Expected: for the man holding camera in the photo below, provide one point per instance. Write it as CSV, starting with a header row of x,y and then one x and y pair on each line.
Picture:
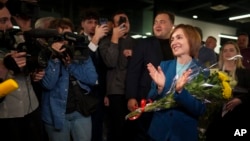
x,y
66,77
19,115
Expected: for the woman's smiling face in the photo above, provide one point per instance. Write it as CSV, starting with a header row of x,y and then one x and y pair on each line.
x,y
179,43
229,51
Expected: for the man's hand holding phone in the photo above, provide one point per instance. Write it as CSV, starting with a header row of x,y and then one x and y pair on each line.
x,y
103,21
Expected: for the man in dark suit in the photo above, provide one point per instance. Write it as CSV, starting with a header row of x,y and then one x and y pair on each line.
x,y
153,49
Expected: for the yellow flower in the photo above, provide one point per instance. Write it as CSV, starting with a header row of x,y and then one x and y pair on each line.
x,y
223,76
227,90
214,88
225,81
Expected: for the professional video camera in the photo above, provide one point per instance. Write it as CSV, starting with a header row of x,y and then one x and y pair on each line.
x,y
38,53
77,47
76,43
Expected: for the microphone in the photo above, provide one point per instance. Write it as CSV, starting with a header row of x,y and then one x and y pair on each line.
x,y
7,87
41,33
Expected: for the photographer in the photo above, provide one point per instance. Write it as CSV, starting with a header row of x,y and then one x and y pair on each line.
x,y
19,117
60,110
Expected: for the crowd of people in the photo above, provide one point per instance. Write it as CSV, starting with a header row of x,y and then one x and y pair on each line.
x,y
103,60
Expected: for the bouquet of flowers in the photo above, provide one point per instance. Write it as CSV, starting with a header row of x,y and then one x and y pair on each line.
x,y
209,88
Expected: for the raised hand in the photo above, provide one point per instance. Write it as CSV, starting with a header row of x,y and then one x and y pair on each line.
x,y
157,76
180,83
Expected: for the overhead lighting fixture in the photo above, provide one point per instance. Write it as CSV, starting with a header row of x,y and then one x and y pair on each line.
x,y
136,36
228,36
219,7
239,17
15,27
195,16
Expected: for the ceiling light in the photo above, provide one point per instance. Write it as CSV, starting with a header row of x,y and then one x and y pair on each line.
x,y
239,17
195,16
16,27
228,36
136,36
219,7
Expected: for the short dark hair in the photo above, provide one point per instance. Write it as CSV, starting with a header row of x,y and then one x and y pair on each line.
x,y
243,33
62,23
118,12
212,37
170,15
90,13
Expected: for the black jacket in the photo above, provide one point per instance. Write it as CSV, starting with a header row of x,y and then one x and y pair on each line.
x,y
149,50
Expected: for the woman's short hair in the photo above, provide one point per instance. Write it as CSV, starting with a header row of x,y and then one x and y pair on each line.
x,y
193,37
